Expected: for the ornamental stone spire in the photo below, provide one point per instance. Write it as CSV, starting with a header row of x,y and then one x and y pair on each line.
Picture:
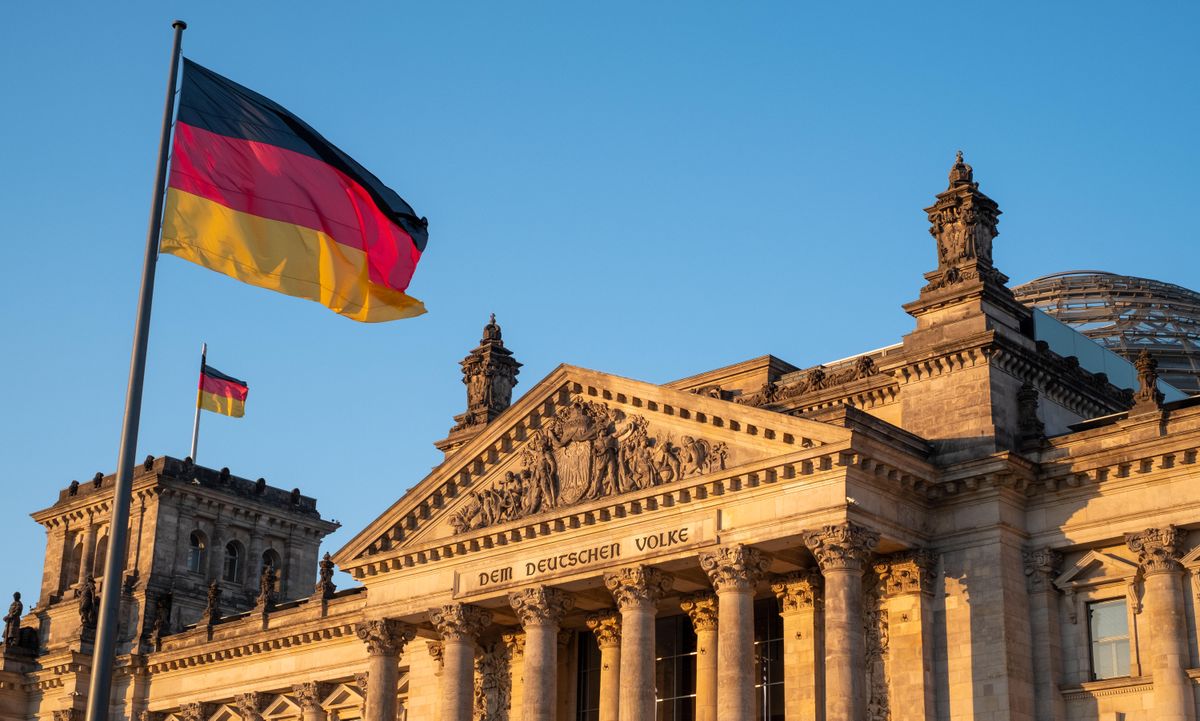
x,y
963,222
489,373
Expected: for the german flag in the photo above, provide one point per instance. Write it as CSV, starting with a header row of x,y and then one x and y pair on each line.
x,y
222,394
255,193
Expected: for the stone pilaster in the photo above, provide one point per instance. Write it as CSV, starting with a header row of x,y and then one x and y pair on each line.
x,y
540,610
310,695
734,571
515,644
1041,568
701,608
637,590
906,585
385,640
841,551
89,551
607,628
216,550
459,626
1159,551
799,597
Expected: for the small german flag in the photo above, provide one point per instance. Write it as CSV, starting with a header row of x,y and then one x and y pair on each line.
x,y
222,394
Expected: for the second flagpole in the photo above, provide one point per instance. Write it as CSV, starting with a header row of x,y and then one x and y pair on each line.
x,y
196,423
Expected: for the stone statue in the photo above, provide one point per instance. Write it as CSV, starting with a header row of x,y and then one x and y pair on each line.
x,y
266,587
12,622
212,607
87,603
325,586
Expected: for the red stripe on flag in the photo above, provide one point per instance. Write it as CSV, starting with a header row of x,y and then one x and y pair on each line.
x,y
279,184
221,387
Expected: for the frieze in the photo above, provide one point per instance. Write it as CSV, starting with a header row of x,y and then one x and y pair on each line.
x,y
814,379
586,451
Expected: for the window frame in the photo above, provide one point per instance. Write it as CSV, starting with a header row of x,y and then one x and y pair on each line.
x,y
1089,605
197,549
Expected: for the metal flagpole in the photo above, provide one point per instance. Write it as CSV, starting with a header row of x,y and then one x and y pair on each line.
x,y
104,651
196,423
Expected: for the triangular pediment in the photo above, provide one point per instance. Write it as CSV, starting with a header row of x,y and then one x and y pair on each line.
x,y
1095,568
342,696
577,438
282,707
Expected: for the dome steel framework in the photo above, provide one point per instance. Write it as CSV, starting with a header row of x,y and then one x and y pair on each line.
x,y
1127,314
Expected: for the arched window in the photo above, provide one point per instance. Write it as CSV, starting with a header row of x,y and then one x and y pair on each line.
x,y
196,552
101,556
233,563
71,571
270,559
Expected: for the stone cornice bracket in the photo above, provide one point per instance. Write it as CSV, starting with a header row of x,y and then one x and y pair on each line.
x,y
310,694
907,572
460,622
606,625
1042,566
735,568
384,636
540,605
798,591
638,586
842,546
515,643
250,705
1159,549
701,608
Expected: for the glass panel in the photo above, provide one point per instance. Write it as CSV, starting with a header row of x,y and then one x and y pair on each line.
x,y
1108,624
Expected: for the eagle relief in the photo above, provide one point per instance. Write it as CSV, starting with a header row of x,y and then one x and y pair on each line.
x,y
586,451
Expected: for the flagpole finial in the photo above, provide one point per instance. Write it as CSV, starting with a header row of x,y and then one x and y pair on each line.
x,y
179,25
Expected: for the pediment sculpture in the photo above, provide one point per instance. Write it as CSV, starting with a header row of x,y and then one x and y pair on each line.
x,y
586,451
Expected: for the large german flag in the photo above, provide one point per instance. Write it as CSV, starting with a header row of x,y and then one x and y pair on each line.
x,y
257,194
220,393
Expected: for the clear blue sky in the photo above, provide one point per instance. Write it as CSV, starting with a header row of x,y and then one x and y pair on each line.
x,y
649,189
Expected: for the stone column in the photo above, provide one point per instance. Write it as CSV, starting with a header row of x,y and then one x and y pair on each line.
x,y
607,628
89,550
385,639
637,590
701,608
515,642
906,588
734,571
540,610
803,661
1159,551
1041,568
459,626
841,550
309,695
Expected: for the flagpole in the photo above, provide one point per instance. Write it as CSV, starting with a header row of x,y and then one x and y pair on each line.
x,y
196,423
100,685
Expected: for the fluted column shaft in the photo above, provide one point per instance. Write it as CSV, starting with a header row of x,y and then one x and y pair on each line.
x,y
607,628
734,571
459,626
1159,551
840,551
803,666
540,610
701,608
637,590
385,641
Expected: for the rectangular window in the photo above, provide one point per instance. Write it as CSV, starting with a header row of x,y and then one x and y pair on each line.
x,y
768,660
1108,624
588,705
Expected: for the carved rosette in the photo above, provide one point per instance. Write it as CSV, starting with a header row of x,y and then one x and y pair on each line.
x,y
701,608
540,605
638,586
460,622
310,694
606,625
798,591
249,705
906,572
1158,549
735,568
842,546
385,637
515,643
1041,567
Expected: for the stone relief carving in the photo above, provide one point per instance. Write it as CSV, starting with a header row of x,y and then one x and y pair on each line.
x,y
1158,549
815,379
586,451
877,633
1041,567
493,683
963,222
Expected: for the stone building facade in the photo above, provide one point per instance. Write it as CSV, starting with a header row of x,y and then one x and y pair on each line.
x,y
963,525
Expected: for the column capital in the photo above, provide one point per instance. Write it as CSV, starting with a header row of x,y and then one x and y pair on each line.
x,y
515,643
250,705
437,651
906,572
841,545
385,636
459,621
1158,549
606,625
540,605
1041,567
797,591
310,694
734,568
638,586
361,681
701,608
